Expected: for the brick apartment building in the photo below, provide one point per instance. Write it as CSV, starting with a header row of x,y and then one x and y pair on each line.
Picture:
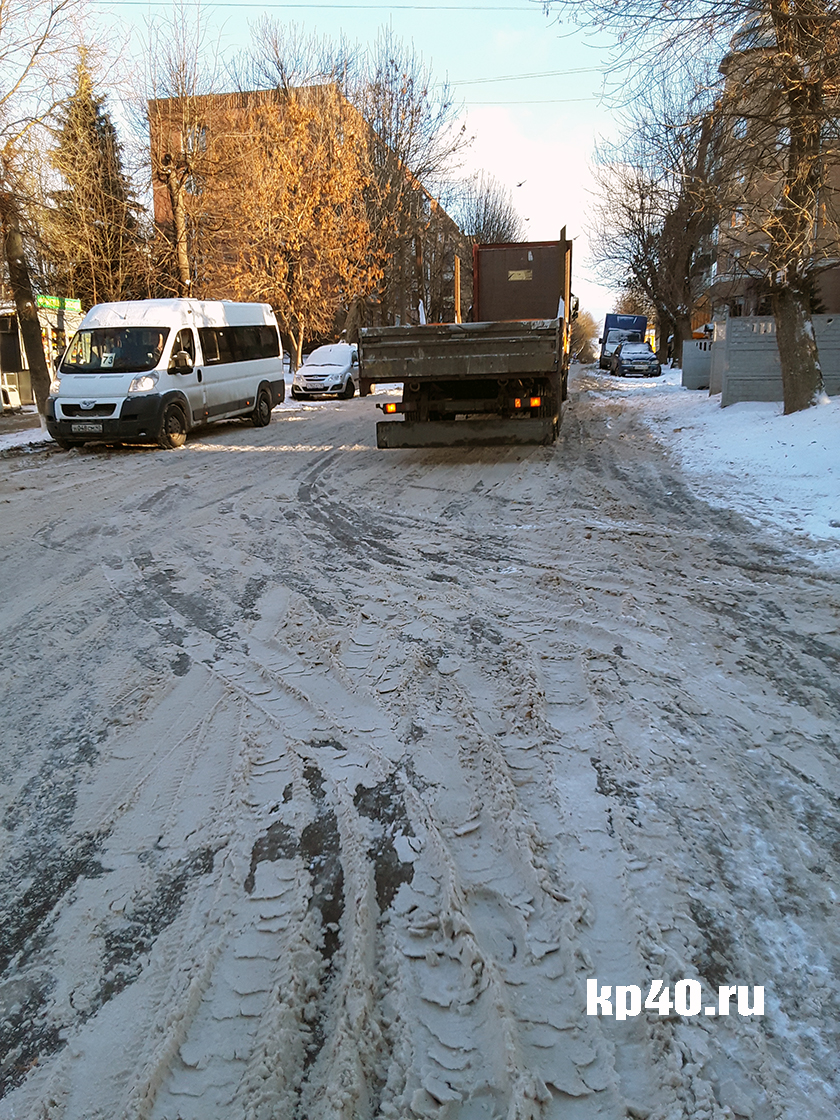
x,y
420,265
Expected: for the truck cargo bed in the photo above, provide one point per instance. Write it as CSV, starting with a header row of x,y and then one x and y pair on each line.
x,y
454,351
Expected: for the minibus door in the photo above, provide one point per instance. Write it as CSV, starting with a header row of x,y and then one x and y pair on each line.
x,y
190,379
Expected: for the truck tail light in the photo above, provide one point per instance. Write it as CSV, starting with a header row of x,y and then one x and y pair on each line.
x,y
517,403
536,402
389,408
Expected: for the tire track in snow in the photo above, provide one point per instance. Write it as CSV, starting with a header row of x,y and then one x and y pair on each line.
x,y
498,701
444,1082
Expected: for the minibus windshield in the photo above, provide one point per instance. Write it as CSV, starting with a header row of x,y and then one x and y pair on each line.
x,y
115,350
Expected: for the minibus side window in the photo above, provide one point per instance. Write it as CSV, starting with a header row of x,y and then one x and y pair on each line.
x,y
249,343
185,341
223,340
238,344
210,345
269,343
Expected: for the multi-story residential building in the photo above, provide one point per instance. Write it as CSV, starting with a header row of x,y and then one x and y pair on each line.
x,y
749,167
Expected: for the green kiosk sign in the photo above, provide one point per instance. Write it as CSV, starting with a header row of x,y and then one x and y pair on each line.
x,y
58,303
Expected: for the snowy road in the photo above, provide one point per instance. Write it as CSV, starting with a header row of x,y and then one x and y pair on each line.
x,y
330,775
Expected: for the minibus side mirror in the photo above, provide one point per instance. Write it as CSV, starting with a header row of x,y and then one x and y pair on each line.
x,y
181,362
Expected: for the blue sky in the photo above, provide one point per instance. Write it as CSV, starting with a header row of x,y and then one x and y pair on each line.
x,y
530,89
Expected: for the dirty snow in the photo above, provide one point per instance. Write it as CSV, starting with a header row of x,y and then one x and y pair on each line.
x,y
330,775
779,470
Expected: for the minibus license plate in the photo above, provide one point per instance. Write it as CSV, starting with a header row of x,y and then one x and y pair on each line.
x,y
88,428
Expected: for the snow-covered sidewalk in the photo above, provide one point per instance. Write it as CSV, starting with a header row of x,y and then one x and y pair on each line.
x,y
749,457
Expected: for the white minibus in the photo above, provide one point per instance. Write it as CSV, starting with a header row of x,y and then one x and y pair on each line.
x,y
147,371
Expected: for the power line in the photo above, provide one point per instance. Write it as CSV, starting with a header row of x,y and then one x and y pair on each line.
x,y
521,77
558,101
317,7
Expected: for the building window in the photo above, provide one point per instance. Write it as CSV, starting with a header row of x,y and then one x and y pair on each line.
x,y
195,139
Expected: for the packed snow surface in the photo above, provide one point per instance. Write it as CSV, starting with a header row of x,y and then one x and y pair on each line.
x,y
331,775
781,470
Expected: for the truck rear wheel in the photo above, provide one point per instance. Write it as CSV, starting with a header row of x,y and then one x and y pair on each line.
x,y
411,402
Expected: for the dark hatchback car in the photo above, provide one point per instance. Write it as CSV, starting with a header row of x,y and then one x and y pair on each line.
x,y
634,359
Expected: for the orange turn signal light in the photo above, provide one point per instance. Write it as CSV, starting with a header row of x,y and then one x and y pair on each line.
x,y
517,403
390,408
536,402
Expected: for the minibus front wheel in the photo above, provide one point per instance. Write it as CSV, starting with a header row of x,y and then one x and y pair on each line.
x,y
173,426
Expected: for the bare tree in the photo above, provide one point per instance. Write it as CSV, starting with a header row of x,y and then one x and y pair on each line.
x,y
793,78
415,144
414,117
658,205
584,333
485,211
778,132
181,80
286,57
35,36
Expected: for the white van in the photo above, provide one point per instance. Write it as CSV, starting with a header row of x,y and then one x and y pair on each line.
x,y
147,371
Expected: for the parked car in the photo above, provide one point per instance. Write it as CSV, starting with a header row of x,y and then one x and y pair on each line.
x,y
327,371
634,359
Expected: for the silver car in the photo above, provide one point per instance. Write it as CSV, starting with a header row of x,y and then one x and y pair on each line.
x,y
634,359
327,372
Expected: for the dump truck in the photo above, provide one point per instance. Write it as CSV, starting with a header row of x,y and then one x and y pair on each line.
x,y
499,378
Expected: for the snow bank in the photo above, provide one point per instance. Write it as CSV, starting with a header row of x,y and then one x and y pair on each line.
x,y
775,469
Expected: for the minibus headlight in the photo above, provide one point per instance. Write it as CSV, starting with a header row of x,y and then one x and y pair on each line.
x,y
55,385
143,384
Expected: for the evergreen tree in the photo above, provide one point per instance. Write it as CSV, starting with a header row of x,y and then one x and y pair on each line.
x,y
92,230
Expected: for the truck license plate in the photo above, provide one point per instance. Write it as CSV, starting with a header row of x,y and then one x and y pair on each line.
x,y
87,428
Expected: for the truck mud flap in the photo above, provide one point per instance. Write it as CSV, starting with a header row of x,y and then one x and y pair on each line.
x,y
464,433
